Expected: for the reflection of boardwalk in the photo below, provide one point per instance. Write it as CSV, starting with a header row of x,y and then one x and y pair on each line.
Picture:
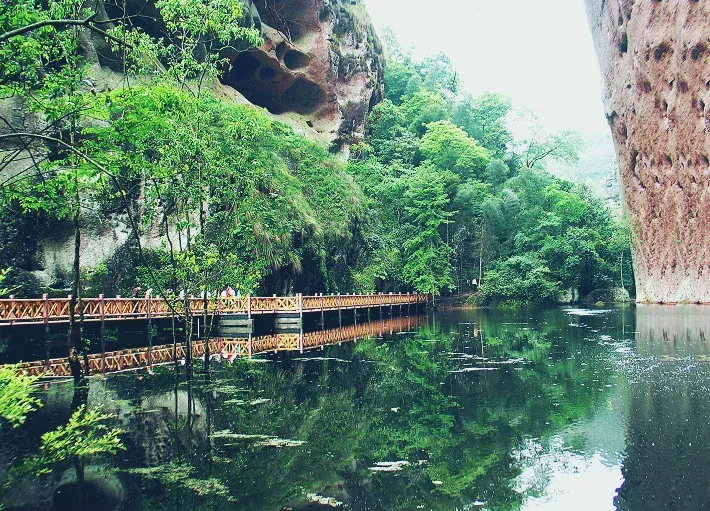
x,y
131,359
56,310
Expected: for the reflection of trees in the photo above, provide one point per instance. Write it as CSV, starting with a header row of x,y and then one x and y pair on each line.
x,y
394,400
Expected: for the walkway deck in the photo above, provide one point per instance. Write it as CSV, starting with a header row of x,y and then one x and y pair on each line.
x,y
56,310
138,358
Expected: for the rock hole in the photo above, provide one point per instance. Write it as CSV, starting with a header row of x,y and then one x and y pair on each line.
x,y
294,59
243,67
661,51
703,161
624,43
281,50
303,97
698,51
664,104
623,132
310,123
266,74
644,86
701,105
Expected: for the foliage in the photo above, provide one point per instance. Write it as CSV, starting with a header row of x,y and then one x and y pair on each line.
x,y
523,278
85,434
427,266
494,212
438,194
17,396
450,148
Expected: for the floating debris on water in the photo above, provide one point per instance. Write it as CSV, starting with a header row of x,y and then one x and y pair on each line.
x,y
238,436
584,312
389,466
509,361
324,501
279,442
259,440
244,402
311,359
472,369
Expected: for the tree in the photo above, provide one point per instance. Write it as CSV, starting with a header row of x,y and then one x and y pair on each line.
x,y
496,173
85,434
524,279
536,146
427,267
485,119
450,148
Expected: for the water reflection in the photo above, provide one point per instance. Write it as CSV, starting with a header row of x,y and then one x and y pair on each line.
x,y
668,428
555,409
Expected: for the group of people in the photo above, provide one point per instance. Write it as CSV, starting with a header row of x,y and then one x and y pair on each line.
x,y
227,292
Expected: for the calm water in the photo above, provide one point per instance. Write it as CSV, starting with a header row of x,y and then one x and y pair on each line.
x,y
555,410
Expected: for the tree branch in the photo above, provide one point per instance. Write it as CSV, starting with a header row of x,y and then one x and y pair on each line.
x,y
62,23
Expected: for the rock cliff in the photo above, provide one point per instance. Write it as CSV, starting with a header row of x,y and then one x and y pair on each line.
x,y
321,64
655,61
320,70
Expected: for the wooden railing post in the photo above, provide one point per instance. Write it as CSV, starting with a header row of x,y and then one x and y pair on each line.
x,y
340,312
45,308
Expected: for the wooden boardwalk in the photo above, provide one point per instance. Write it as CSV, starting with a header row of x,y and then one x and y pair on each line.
x,y
138,358
56,310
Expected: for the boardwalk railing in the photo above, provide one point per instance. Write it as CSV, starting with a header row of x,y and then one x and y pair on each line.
x,y
137,358
56,310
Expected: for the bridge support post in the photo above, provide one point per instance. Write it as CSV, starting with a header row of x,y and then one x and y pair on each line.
x,y
150,331
45,318
102,332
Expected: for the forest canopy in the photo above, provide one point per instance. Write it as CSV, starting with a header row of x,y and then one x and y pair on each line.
x,y
440,196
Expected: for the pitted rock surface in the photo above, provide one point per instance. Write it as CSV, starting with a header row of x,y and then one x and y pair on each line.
x,y
655,61
321,62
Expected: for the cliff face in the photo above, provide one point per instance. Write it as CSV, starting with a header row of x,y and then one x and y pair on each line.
x,y
655,61
319,70
321,64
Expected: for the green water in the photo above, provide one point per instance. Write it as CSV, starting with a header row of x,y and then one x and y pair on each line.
x,y
541,409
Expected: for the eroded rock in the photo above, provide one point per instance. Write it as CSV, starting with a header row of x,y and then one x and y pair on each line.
x,y
655,62
320,63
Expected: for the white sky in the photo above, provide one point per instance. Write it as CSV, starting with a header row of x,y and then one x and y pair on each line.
x,y
537,52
